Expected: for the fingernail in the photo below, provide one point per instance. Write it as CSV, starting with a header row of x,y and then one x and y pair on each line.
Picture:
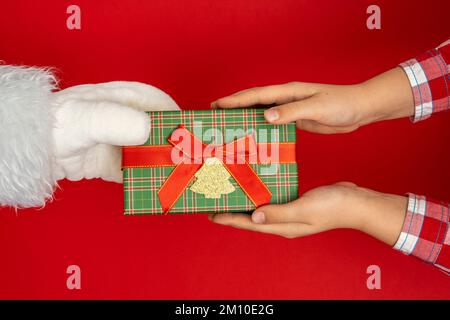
x,y
271,115
258,217
214,105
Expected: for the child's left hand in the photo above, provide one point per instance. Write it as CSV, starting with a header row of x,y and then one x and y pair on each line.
x,y
342,205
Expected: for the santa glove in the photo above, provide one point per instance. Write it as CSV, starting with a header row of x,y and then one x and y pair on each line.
x,y
93,120
74,133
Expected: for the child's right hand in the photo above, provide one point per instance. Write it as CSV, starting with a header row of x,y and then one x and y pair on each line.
x,y
326,108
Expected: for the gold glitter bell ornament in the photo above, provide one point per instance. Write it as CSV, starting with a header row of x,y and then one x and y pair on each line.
x,y
212,179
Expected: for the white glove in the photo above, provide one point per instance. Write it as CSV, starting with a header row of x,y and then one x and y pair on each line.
x,y
92,120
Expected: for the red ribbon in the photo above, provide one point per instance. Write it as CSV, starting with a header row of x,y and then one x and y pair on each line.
x,y
236,157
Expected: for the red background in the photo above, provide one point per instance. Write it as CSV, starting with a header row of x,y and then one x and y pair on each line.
x,y
198,51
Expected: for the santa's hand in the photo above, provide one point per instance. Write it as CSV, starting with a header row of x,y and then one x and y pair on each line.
x,y
92,121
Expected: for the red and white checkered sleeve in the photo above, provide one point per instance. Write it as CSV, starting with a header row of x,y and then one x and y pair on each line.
x,y
429,76
425,233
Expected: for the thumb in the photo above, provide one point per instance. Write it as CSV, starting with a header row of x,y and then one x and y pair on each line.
x,y
138,95
114,124
308,108
278,213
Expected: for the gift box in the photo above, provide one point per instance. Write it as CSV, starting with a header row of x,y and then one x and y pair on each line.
x,y
210,161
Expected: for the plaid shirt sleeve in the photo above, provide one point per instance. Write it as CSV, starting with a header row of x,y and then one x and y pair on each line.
x,y
429,76
425,233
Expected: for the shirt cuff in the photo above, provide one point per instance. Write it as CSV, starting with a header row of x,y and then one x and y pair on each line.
x,y
425,233
428,75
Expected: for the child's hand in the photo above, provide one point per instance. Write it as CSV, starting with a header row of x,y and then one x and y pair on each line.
x,y
342,205
329,109
325,108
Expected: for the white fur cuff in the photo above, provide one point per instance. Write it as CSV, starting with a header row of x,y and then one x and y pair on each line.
x,y
26,178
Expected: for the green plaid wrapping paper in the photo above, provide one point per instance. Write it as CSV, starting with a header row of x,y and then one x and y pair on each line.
x,y
141,185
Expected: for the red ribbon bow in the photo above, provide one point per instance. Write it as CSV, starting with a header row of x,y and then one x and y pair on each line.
x,y
234,156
